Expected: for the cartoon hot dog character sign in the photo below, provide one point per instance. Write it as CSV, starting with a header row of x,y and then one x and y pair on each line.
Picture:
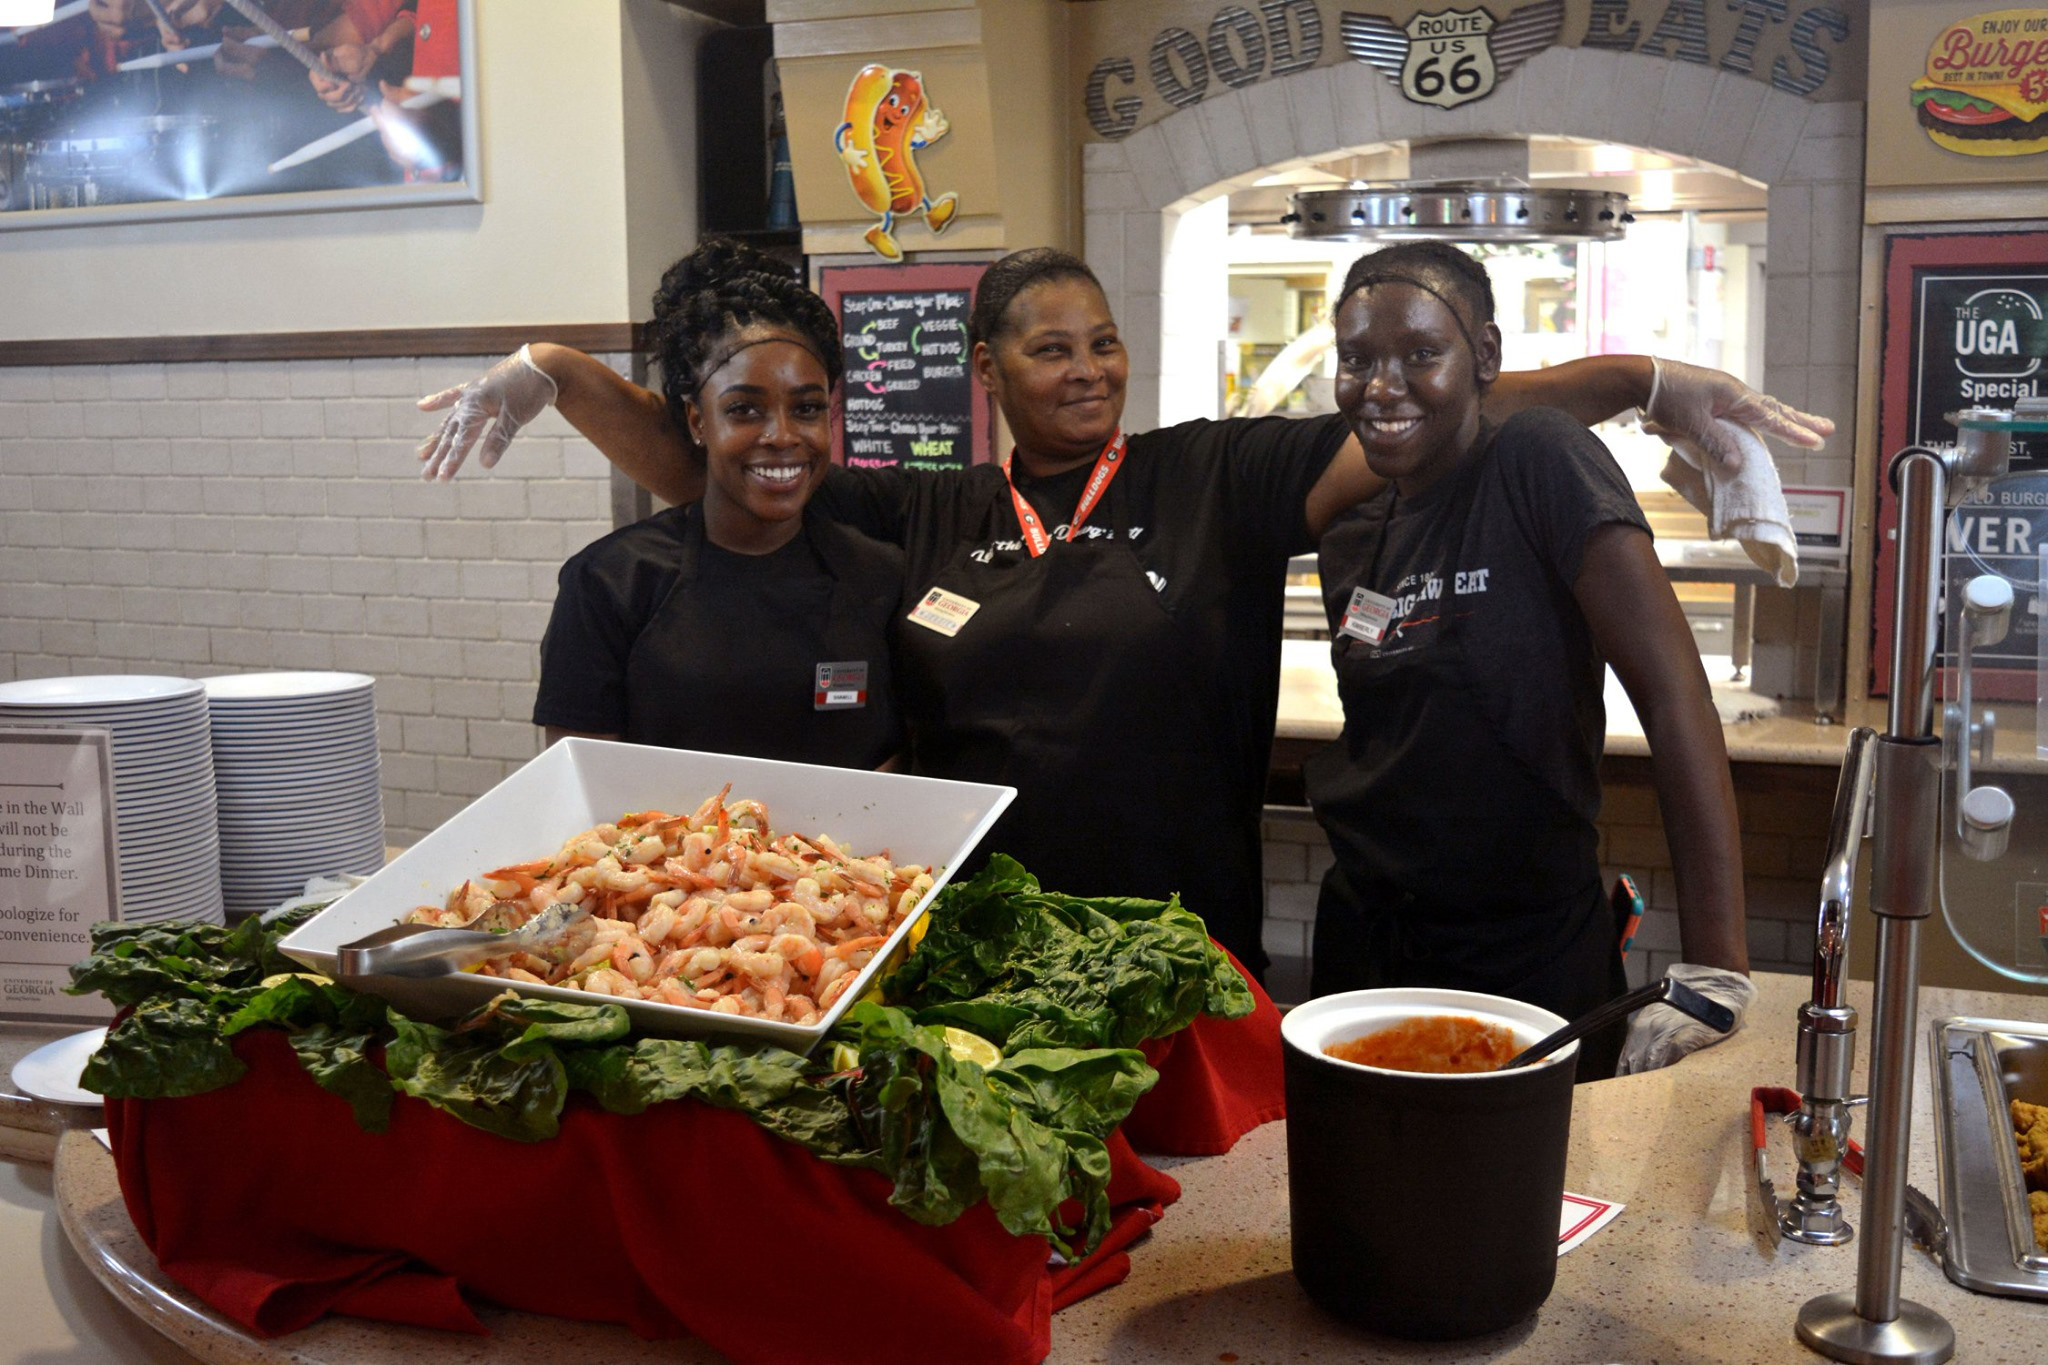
x,y
1986,88
887,123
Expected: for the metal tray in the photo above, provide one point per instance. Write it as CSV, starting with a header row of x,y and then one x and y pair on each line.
x,y
578,783
1979,1066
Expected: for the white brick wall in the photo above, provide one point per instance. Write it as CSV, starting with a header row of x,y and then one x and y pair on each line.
x,y
197,519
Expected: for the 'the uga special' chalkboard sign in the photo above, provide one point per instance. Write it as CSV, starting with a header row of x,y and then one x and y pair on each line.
x,y
1966,325
911,400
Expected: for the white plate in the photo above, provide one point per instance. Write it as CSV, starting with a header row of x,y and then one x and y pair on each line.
x,y
258,836
96,690
234,687
51,1072
246,719
244,879
328,789
181,782
282,747
332,790
180,727
175,709
578,783
364,768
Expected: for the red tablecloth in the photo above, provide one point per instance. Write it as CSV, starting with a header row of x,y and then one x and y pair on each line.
x,y
269,1203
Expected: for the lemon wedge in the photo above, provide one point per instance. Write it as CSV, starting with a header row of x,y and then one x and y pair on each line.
x,y
282,977
972,1047
844,1057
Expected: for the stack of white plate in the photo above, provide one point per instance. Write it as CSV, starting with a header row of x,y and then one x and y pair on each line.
x,y
295,763
169,844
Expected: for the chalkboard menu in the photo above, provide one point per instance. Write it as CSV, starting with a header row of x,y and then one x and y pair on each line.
x,y
911,399
1966,325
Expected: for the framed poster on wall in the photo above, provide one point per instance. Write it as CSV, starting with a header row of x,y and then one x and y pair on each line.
x,y
911,398
130,110
1965,325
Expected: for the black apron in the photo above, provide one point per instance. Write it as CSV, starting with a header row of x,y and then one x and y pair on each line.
x,y
1507,900
730,665
1075,684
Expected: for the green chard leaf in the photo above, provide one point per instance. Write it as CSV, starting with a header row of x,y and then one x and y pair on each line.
x,y
165,1049
338,1058
470,1075
1030,968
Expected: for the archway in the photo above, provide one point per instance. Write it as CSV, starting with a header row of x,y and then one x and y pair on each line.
x,y
1150,202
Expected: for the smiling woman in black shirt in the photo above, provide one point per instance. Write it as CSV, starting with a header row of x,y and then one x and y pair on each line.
x,y
743,622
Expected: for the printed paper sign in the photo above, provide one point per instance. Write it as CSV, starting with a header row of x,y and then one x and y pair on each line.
x,y
1820,520
1580,1218
59,874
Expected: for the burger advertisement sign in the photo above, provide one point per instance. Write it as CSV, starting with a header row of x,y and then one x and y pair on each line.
x,y
1986,88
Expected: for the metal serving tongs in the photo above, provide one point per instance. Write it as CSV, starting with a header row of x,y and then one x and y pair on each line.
x,y
420,950
1923,1221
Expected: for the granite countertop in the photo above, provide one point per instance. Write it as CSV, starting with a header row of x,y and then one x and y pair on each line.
x,y
1685,1273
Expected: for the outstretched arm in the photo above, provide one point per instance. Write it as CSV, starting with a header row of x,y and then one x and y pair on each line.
x,y
629,425
1592,389
1676,399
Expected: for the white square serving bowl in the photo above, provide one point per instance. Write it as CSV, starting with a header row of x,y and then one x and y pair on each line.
x,y
578,783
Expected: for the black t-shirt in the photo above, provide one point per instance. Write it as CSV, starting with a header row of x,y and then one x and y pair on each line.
x,y
1212,510
744,682
1474,728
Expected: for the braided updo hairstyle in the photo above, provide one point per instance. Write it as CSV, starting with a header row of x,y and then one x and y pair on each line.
x,y
1012,275
718,289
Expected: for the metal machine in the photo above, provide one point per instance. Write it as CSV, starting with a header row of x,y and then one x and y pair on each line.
x,y
1931,848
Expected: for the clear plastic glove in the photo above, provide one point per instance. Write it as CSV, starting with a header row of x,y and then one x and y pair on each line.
x,y
1660,1035
513,392
1686,399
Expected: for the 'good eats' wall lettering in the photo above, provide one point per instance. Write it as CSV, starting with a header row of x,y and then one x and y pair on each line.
x,y
1243,44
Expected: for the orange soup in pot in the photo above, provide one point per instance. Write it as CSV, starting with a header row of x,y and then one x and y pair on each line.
x,y
1438,1043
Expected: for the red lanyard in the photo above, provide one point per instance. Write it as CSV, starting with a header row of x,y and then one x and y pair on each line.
x,y
1106,465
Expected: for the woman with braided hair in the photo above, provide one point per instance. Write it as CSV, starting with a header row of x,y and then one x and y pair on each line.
x,y
1097,620
741,623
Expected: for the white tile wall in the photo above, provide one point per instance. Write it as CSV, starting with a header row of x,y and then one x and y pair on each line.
x,y
196,519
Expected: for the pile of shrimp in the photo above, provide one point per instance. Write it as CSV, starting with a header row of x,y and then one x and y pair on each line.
x,y
708,911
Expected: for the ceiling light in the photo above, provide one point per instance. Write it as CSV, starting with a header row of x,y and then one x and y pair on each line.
x,y
1461,210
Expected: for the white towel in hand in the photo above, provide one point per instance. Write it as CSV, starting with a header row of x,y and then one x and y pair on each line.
x,y
1748,506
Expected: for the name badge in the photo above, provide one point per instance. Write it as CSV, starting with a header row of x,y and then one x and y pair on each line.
x,y
944,612
841,686
1368,616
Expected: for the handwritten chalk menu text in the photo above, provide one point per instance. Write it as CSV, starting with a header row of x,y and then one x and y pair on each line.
x,y
911,400
58,875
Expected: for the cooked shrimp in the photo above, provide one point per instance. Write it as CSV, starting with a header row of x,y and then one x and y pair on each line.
x,y
631,958
706,911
